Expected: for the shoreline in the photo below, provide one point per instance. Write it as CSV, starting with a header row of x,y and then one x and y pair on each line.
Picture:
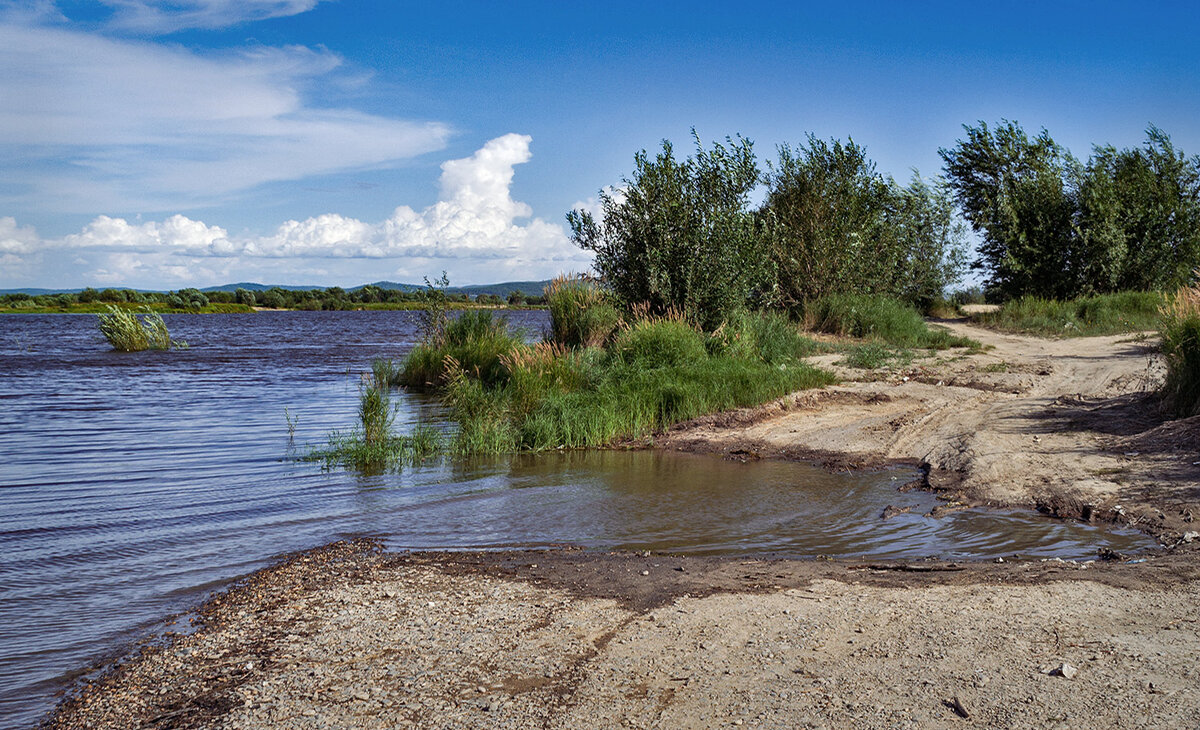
x,y
334,636
348,635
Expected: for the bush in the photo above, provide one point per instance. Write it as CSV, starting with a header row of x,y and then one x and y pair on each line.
x,y
581,314
1181,346
680,235
127,333
658,343
878,318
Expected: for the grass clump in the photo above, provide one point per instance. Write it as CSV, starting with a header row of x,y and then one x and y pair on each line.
x,y
581,313
1103,314
1181,346
475,340
878,318
652,374
372,446
874,355
126,332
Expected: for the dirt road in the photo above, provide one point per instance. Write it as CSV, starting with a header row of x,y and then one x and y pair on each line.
x,y
1068,426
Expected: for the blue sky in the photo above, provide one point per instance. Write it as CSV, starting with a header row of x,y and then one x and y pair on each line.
x,y
195,142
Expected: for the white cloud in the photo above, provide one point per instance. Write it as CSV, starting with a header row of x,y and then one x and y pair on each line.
x,y
475,229
15,239
163,16
94,123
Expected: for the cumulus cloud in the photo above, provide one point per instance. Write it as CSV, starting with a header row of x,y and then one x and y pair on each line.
x,y
94,123
475,229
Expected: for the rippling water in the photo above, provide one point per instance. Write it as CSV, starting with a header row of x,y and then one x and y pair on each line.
x,y
131,484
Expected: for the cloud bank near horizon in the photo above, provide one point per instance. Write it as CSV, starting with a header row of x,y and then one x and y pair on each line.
x,y
475,230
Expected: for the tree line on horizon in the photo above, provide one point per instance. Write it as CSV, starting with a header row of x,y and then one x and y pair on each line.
x,y
683,236
328,299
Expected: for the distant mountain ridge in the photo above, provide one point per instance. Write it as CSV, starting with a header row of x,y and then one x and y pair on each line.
x,y
502,289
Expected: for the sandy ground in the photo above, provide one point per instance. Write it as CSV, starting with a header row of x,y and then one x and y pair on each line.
x,y
1069,426
346,637
349,637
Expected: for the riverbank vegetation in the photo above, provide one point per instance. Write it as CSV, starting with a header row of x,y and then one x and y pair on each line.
x,y
127,332
1101,314
373,446
1181,346
191,301
652,372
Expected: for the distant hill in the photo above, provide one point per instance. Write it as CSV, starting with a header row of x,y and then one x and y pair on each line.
x,y
528,288
250,286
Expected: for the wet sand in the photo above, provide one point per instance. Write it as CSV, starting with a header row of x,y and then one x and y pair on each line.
x,y
348,636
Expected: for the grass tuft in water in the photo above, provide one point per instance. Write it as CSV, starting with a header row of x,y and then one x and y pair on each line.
x,y
126,332
372,446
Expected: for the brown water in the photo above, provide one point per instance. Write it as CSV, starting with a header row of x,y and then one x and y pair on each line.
x,y
131,485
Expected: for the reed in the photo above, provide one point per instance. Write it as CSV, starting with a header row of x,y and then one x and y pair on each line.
x,y
1181,347
581,313
126,332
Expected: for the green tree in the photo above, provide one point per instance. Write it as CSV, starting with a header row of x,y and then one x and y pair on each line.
x,y
679,234
1139,217
1013,189
836,225
245,296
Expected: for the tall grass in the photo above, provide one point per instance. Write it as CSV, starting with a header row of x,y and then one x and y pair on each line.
x,y
1181,346
126,332
1104,314
475,340
653,373
878,318
372,446
581,313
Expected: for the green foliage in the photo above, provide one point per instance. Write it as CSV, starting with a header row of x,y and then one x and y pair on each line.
x,y
188,299
581,314
1181,346
126,332
1104,314
653,374
659,343
874,355
1056,228
879,318
767,336
476,340
835,225
679,236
